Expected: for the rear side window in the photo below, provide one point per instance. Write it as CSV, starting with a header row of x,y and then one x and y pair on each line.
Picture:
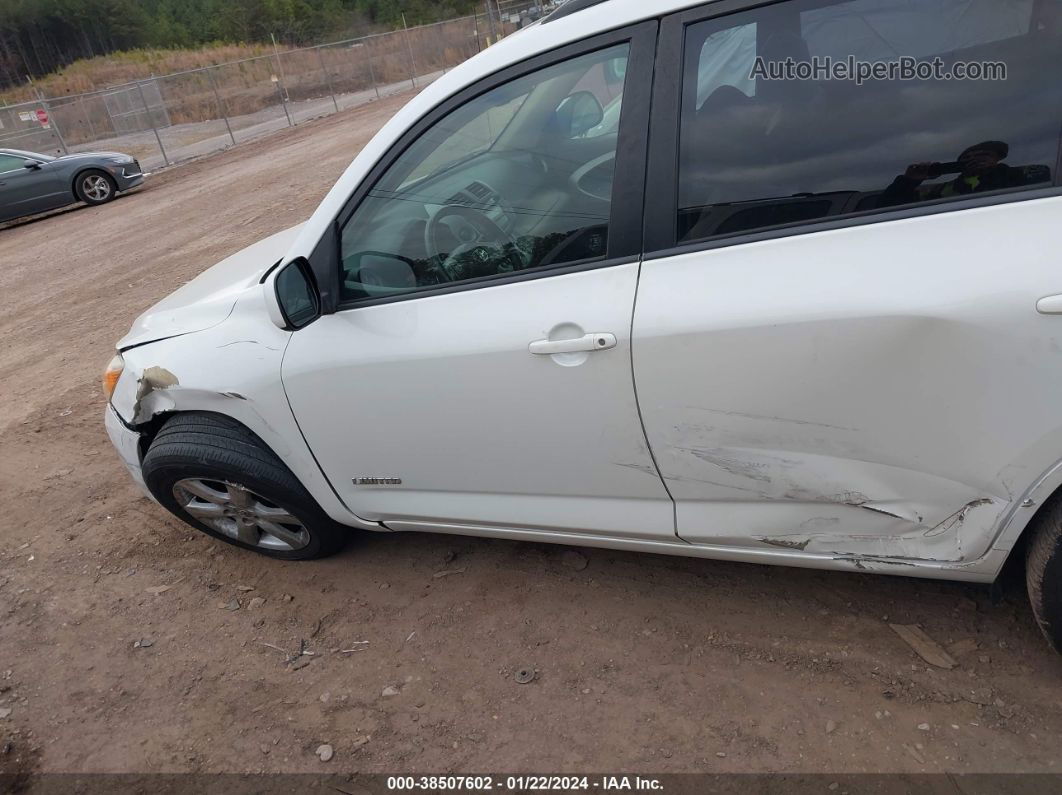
x,y
774,132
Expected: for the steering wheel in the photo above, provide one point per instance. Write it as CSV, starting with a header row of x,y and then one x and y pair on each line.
x,y
475,232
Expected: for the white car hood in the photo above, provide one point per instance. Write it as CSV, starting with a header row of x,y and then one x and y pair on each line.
x,y
208,299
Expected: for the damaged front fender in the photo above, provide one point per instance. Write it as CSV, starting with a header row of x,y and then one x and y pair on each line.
x,y
153,381
231,369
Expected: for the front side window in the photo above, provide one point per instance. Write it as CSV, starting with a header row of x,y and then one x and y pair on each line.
x,y
517,178
759,149
9,163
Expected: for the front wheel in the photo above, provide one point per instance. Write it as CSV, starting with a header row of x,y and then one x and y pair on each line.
x,y
215,475
95,187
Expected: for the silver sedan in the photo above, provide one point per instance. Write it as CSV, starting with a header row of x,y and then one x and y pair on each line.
x,y
32,183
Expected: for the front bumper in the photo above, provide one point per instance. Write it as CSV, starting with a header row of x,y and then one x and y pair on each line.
x,y
128,175
127,443
128,182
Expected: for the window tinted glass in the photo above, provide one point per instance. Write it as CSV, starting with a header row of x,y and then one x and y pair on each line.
x,y
760,149
874,29
517,178
725,60
9,163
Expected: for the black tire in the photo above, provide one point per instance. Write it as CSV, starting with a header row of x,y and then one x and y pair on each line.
x,y
1043,571
217,449
87,194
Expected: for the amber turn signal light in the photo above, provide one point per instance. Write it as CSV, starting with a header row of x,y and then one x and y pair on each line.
x,y
112,374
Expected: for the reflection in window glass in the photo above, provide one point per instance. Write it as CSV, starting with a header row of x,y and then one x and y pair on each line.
x,y
726,60
519,177
795,151
877,29
474,137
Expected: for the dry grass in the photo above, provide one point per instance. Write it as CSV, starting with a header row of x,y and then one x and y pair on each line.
x,y
90,74
243,78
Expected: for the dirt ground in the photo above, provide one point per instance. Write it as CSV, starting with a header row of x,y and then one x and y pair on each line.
x,y
117,654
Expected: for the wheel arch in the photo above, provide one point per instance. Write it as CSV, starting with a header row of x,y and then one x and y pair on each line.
x,y
85,169
309,475
220,477
150,429
233,370
1020,521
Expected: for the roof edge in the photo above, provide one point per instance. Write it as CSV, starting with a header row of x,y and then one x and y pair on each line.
x,y
571,7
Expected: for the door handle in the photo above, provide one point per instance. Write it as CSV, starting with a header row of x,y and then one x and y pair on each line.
x,y
588,342
1051,305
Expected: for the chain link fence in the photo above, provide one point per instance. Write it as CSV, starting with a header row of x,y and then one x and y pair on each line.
x,y
164,119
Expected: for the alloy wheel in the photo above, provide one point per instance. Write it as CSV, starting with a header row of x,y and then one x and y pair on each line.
x,y
96,187
237,512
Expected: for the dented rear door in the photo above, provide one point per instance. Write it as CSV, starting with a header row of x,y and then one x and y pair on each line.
x,y
822,393
836,343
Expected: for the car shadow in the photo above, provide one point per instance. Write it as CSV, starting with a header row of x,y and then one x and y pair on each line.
x,y
16,223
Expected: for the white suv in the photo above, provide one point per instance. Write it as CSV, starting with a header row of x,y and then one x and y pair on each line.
x,y
760,311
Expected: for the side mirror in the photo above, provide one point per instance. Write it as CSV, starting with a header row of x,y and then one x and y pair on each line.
x,y
579,113
31,165
615,70
291,295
